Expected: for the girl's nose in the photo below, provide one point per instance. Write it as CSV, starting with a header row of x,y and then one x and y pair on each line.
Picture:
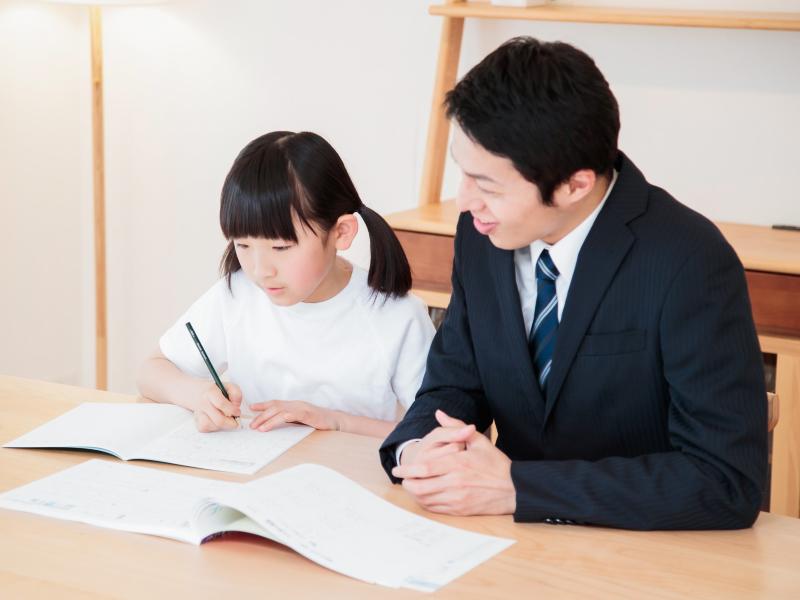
x,y
263,268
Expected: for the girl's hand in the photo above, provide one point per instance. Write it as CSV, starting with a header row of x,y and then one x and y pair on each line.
x,y
279,412
214,412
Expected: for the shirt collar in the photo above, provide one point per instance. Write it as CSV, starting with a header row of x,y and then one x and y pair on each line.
x,y
565,251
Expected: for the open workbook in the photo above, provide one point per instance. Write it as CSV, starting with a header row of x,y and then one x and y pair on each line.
x,y
314,510
162,433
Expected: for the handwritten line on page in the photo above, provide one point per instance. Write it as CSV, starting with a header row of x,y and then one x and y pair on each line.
x,y
162,433
314,510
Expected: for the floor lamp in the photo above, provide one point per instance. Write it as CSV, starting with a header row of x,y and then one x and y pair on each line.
x,y
99,185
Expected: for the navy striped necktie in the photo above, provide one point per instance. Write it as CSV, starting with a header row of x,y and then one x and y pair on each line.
x,y
542,338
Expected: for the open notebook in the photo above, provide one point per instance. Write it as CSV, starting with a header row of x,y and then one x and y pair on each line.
x,y
314,510
162,433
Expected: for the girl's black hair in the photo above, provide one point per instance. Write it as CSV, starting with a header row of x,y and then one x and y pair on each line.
x,y
282,174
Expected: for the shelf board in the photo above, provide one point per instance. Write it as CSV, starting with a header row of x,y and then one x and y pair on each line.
x,y
760,248
432,299
725,19
439,218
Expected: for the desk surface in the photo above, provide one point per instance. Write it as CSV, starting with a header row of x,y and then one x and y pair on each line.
x,y
48,558
759,248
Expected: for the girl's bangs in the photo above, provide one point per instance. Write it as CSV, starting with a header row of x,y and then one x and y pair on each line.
x,y
260,197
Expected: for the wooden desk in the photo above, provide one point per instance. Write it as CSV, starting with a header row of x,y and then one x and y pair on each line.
x,y
48,558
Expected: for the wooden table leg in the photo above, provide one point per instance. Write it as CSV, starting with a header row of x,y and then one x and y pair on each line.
x,y
785,495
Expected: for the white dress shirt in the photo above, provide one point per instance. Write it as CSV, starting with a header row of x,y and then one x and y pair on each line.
x,y
565,256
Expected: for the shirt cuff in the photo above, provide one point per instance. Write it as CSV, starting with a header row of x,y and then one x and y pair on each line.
x,y
401,447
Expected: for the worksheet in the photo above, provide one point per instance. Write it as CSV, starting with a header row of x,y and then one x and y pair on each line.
x,y
312,509
162,433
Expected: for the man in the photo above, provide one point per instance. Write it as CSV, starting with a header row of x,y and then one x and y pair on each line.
x,y
604,327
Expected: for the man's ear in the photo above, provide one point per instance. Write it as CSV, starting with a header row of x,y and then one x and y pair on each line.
x,y
576,188
344,231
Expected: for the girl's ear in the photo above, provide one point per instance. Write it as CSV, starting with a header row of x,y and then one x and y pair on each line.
x,y
344,231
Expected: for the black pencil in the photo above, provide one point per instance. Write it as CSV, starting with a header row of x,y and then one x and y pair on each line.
x,y
206,360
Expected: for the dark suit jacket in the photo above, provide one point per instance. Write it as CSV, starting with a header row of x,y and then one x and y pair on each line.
x,y
655,412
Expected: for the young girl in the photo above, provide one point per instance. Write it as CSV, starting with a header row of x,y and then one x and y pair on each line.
x,y
305,336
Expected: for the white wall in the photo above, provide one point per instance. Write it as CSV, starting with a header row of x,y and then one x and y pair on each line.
x,y
712,115
45,189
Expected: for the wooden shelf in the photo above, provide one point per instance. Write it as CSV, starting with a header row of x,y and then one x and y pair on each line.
x,y
432,299
725,19
438,219
771,258
759,248
764,249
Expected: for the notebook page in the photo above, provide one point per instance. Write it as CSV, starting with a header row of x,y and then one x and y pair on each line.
x,y
117,496
121,429
243,450
340,525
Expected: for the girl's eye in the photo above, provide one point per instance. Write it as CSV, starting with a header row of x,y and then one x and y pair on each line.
x,y
281,248
242,246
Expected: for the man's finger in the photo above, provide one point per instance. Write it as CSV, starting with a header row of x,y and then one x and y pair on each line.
x,y
420,488
478,441
444,450
446,420
427,468
450,501
448,435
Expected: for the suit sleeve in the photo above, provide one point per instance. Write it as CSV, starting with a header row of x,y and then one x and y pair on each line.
x,y
714,475
451,382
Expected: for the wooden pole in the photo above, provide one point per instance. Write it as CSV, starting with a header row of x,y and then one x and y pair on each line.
x,y
438,125
98,154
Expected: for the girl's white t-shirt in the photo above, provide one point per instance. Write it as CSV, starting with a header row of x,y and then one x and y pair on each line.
x,y
358,352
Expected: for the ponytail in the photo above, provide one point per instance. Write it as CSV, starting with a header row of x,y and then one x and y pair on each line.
x,y
389,272
281,175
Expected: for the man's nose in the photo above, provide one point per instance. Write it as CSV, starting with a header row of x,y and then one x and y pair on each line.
x,y
468,196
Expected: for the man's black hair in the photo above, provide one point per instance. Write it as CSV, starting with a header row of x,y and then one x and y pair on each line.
x,y
544,105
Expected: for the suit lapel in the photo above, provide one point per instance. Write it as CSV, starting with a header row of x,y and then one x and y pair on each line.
x,y
502,265
599,259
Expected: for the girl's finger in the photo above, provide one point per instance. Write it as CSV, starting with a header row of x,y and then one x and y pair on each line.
x,y
225,407
276,421
265,415
263,405
220,421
